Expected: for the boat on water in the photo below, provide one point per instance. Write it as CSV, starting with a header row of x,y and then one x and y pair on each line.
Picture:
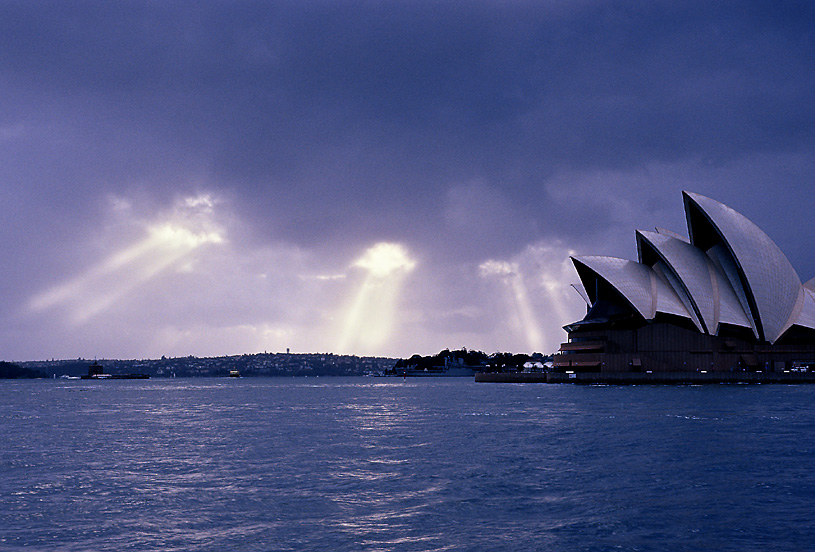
x,y
437,372
97,372
234,373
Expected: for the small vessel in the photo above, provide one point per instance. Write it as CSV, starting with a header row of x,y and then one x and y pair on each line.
x,y
234,373
438,372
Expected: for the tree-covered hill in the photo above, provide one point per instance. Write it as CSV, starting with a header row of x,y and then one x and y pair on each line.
x,y
9,370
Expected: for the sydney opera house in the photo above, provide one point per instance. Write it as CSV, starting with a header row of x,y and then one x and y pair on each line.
x,y
725,299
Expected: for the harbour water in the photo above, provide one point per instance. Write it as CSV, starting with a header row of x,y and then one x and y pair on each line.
x,y
337,464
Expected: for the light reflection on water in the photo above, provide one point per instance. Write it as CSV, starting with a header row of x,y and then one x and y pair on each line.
x,y
363,464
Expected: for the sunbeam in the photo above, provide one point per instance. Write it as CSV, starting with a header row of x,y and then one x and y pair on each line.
x,y
370,316
510,276
102,285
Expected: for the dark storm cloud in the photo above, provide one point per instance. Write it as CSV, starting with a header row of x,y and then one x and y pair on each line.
x,y
467,131
378,96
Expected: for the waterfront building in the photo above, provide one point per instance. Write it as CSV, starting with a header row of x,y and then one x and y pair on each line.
x,y
725,298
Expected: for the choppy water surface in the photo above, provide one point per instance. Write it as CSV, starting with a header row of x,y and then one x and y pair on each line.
x,y
384,464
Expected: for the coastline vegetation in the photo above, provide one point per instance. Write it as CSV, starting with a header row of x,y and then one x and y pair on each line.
x,y
9,370
495,362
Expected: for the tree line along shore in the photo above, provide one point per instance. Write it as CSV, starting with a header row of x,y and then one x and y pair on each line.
x,y
272,364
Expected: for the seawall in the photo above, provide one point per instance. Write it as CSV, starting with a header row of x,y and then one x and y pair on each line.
x,y
658,378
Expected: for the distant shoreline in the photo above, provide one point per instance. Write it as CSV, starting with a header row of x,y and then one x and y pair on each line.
x,y
258,364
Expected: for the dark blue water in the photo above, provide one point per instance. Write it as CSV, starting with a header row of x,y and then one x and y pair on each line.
x,y
380,464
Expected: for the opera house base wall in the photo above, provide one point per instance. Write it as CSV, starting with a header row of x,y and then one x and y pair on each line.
x,y
641,378
665,347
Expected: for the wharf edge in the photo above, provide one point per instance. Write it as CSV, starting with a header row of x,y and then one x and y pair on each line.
x,y
658,378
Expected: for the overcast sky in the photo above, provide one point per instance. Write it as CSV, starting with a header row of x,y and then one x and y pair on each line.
x,y
207,178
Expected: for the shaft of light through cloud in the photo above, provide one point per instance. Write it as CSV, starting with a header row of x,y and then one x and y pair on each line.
x,y
100,286
369,318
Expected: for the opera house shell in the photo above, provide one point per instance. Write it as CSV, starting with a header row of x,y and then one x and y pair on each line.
x,y
724,299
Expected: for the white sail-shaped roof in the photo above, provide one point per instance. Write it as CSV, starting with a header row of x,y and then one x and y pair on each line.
x,y
638,284
770,283
729,273
690,269
730,310
806,318
705,289
669,276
